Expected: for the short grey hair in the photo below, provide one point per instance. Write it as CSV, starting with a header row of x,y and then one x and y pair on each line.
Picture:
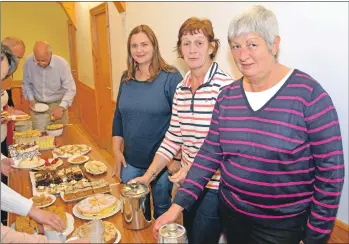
x,y
255,19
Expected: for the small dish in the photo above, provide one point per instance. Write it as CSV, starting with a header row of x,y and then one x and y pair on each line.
x,y
40,107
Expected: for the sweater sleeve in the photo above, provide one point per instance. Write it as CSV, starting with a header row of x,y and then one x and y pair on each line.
x,y
173,140
9,235
204,166
117,121
326,146
13,202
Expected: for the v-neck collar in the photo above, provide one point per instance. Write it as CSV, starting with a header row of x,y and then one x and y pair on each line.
x,y
270,100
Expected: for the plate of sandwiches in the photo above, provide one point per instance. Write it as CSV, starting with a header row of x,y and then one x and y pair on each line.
x,y
20,117
25,224
68,151
43,200
67,218
28,163
110,234
95,167
78,159
98,206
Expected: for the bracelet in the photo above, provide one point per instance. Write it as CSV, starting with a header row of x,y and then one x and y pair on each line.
x,y
153,174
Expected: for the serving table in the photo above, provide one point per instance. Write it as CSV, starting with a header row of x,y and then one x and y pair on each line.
x,y
20,182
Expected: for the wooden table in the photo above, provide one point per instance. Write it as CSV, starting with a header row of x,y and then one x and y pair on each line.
x,y
20,182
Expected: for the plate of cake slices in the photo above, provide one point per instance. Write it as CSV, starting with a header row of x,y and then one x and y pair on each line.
x,y
43,200
98,206
28,163
110,234
68,151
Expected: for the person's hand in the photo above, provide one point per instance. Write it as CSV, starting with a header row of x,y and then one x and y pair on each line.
x,y
174,167
142,180
47,218
179,177
170,216
17,112
57,113
32,104
6,166
119,160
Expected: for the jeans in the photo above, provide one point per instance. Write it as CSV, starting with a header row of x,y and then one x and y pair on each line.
x,y
161,189
202,221
239,228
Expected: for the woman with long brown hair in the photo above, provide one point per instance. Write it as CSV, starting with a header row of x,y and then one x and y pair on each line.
x,y
143,113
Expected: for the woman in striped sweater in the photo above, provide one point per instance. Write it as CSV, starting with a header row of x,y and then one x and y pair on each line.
x,y
192,108
275,136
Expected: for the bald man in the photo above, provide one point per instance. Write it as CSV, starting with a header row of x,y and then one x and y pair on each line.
x,y
47,79
17,48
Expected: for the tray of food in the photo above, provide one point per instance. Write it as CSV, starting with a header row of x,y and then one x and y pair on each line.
x,y
67,151
53,181
66,217
50,164
98,206
95,167
43,200
78,159
84,189
110,233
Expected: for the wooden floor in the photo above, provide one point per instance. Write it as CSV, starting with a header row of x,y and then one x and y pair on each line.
x,y
340,233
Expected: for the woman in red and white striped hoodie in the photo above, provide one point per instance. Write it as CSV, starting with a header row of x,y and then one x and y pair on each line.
x,y
192,109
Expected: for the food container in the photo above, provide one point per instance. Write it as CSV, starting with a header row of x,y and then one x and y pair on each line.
x,y
135,206
23,125
172,233
54,129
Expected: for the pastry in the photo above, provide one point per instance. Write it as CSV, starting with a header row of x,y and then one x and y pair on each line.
x,y
97,205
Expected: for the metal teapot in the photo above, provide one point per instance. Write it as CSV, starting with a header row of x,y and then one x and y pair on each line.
x,y
172,233
135,206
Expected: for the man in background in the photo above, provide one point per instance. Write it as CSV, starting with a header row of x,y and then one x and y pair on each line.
x,y
47,79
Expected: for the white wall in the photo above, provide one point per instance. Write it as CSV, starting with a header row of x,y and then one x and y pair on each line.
x,y
314,39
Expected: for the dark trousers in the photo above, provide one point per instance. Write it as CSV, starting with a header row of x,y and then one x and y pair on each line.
x,y
202,222
242,229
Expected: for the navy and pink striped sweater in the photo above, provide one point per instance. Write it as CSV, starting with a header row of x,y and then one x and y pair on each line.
x,y
278,162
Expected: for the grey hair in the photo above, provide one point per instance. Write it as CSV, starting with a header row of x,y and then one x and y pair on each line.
x,y
255,19
11,41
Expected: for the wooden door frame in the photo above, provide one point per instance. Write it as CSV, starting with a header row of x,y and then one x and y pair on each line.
x,y
73,56
103,7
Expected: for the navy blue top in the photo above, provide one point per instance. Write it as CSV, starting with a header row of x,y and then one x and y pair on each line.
x,y
142,116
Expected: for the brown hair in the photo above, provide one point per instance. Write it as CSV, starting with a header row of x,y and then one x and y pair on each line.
x,y
194,25
157,63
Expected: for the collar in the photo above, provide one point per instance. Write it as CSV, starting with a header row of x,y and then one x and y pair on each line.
x,y
210,73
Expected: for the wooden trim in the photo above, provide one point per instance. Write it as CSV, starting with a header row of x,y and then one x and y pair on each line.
x,y
101,8
69,9
120,6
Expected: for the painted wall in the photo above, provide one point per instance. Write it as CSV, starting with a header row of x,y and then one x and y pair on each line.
x,y
32,21
83,39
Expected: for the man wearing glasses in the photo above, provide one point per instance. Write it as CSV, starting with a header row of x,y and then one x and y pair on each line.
x,y
47,79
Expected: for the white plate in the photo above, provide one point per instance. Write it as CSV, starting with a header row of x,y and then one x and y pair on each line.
x,y
80,216
46,194
70,225
40,107
75,156
41,162
105,168
69,155
59,163
117,240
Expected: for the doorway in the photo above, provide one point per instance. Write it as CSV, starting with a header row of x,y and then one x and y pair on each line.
x,y
102,73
